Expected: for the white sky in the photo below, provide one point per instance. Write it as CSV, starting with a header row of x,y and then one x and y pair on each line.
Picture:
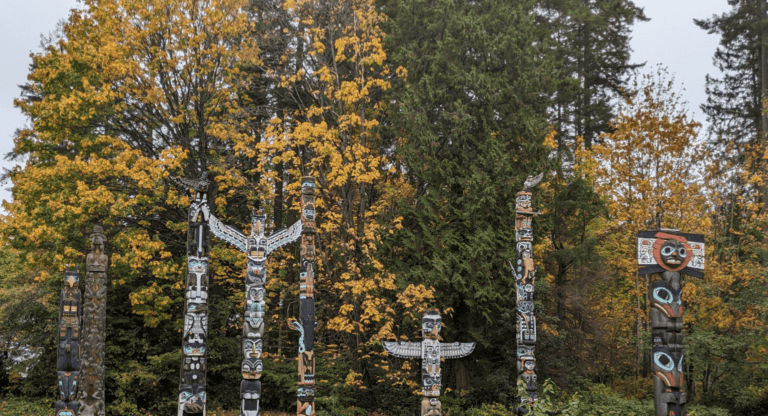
x,y
670,39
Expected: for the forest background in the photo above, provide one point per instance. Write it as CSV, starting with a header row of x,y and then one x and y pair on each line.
x,y
420,120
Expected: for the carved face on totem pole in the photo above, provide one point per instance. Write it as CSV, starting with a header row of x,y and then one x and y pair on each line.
x,y
666,299
431,407
668,366
192,397
67,408
670,250
430,325
256,274
252,348
67,384
251,368
250,393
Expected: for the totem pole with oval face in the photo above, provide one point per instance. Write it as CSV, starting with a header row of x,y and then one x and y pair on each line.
x,y
664,256
91,392
68,363
256,246
306,323
525,277
192,398
431,351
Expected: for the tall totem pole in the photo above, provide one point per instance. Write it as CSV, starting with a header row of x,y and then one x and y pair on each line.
x,y
192,399
91,392
306,322
68,363
257,246
525,276
431,351
664,256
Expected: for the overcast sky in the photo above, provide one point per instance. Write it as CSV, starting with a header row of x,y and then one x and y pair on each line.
x,y
670,39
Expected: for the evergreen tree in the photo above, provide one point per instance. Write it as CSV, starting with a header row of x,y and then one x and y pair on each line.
x,y
469,124
593,56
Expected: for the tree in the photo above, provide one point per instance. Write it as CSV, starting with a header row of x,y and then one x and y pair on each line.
x,y
593,55
468,125
132,91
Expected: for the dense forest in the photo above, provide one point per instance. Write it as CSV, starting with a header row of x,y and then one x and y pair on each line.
x,y
420,120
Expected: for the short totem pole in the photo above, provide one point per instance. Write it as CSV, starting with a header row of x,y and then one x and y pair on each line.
x,y
664,256
257,246
525,277
91,392
306,323
192,399
68,363
430,350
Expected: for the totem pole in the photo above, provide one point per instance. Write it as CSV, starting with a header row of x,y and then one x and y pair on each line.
x,y
525,276
91,393
68,365
431,351
192,398
664,256
306,322
256,247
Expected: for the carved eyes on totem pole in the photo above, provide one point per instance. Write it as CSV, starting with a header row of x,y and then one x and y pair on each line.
x,y
673,253
251,368
524,202
667,299
668,366
669,250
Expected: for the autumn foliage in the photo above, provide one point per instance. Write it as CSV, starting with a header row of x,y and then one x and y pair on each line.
x,y
419,121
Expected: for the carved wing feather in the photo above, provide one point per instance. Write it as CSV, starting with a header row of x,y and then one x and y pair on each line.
x,y
456,349
284,236
227,233
403,349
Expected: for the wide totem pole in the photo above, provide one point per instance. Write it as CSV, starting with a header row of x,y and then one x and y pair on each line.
x,y
664,256
306,323
431,351
525,277
68,363
257,246
91,392
192,398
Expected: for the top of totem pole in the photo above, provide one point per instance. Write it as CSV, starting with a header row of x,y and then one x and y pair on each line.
x,y
258,223
532,181
308,184
71,278
431,323
670,250
97,237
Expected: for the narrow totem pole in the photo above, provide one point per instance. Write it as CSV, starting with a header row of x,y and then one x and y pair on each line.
x,y
306,322
431,351
192,399
664,256
256,247
91,393
525,277
68,363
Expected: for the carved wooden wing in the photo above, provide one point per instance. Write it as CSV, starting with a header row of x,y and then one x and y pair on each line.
x,y
403,349
227,233
456,349
284,236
